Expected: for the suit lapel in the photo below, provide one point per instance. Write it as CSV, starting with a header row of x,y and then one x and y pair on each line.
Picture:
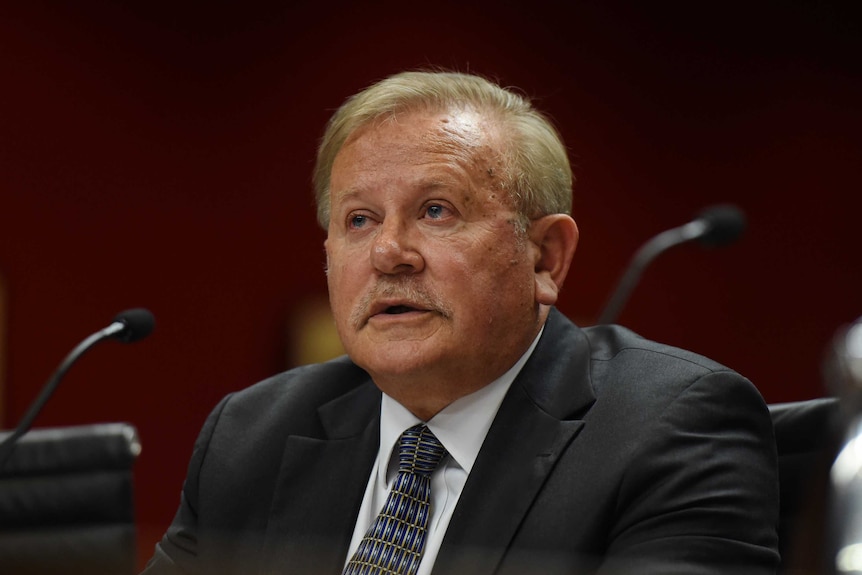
x,y
538,420
322,478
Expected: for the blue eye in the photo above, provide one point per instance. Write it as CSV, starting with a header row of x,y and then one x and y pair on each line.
x,y
358,221
435,211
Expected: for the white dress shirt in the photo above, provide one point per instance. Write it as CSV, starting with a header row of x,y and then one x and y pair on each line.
x,y
461,427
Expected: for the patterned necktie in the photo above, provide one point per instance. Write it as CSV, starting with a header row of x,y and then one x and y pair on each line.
x,y
394,542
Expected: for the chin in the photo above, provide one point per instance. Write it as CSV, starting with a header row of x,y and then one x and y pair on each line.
x,y
399,359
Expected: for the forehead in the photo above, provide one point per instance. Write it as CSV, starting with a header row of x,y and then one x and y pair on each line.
x,y
417,135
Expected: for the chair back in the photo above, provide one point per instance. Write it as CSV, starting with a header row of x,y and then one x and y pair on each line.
x,y
805,434
66,502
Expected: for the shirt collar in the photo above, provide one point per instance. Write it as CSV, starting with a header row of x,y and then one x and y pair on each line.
x,y
461,426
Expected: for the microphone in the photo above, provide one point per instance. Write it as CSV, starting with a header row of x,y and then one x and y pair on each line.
x,y
843,372
715,226
128,326
131,325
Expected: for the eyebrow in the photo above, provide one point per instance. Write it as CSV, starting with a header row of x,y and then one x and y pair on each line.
x,y
425,186
350,192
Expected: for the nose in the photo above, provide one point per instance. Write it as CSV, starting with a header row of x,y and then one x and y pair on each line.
x,y
395,249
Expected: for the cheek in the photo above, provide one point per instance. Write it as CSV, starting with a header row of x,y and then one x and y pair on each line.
x,y
337,276
348,279
491,273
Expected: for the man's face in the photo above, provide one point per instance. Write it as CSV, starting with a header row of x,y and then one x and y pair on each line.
x,y
431,285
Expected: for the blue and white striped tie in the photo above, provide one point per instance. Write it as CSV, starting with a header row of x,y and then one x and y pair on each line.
x,y
394,542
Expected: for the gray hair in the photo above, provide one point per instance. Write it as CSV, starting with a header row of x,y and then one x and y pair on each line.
x,y
538,175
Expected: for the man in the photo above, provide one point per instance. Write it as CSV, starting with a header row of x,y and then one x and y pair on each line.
x,y
447,201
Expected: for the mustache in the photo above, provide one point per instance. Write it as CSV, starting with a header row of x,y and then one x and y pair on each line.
x,y
405,288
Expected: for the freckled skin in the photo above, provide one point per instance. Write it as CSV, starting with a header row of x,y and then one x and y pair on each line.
x,y
418,220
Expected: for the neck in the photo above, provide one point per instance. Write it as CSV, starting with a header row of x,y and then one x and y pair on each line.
x,y
429,391
426,397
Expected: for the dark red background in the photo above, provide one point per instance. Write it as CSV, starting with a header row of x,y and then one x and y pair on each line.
x,y
158,154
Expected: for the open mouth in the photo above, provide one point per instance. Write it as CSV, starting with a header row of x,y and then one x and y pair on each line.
x,y
398,309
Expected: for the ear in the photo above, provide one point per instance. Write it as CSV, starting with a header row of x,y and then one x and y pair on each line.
x,y
556,237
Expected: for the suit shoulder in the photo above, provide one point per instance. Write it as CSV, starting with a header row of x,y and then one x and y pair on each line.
x,y
622,362
298,391
610,343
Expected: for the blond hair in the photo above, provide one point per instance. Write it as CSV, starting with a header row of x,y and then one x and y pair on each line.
x,y
538,176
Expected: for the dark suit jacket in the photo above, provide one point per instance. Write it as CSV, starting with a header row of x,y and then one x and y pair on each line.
x,y
610,452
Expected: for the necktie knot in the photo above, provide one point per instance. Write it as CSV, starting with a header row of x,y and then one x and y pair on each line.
x,y
419,451
393,544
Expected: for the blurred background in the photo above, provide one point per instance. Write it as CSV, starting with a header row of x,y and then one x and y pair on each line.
x,y
158,154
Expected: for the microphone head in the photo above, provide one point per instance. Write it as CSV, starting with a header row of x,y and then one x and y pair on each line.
x,y
137,323
724,224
